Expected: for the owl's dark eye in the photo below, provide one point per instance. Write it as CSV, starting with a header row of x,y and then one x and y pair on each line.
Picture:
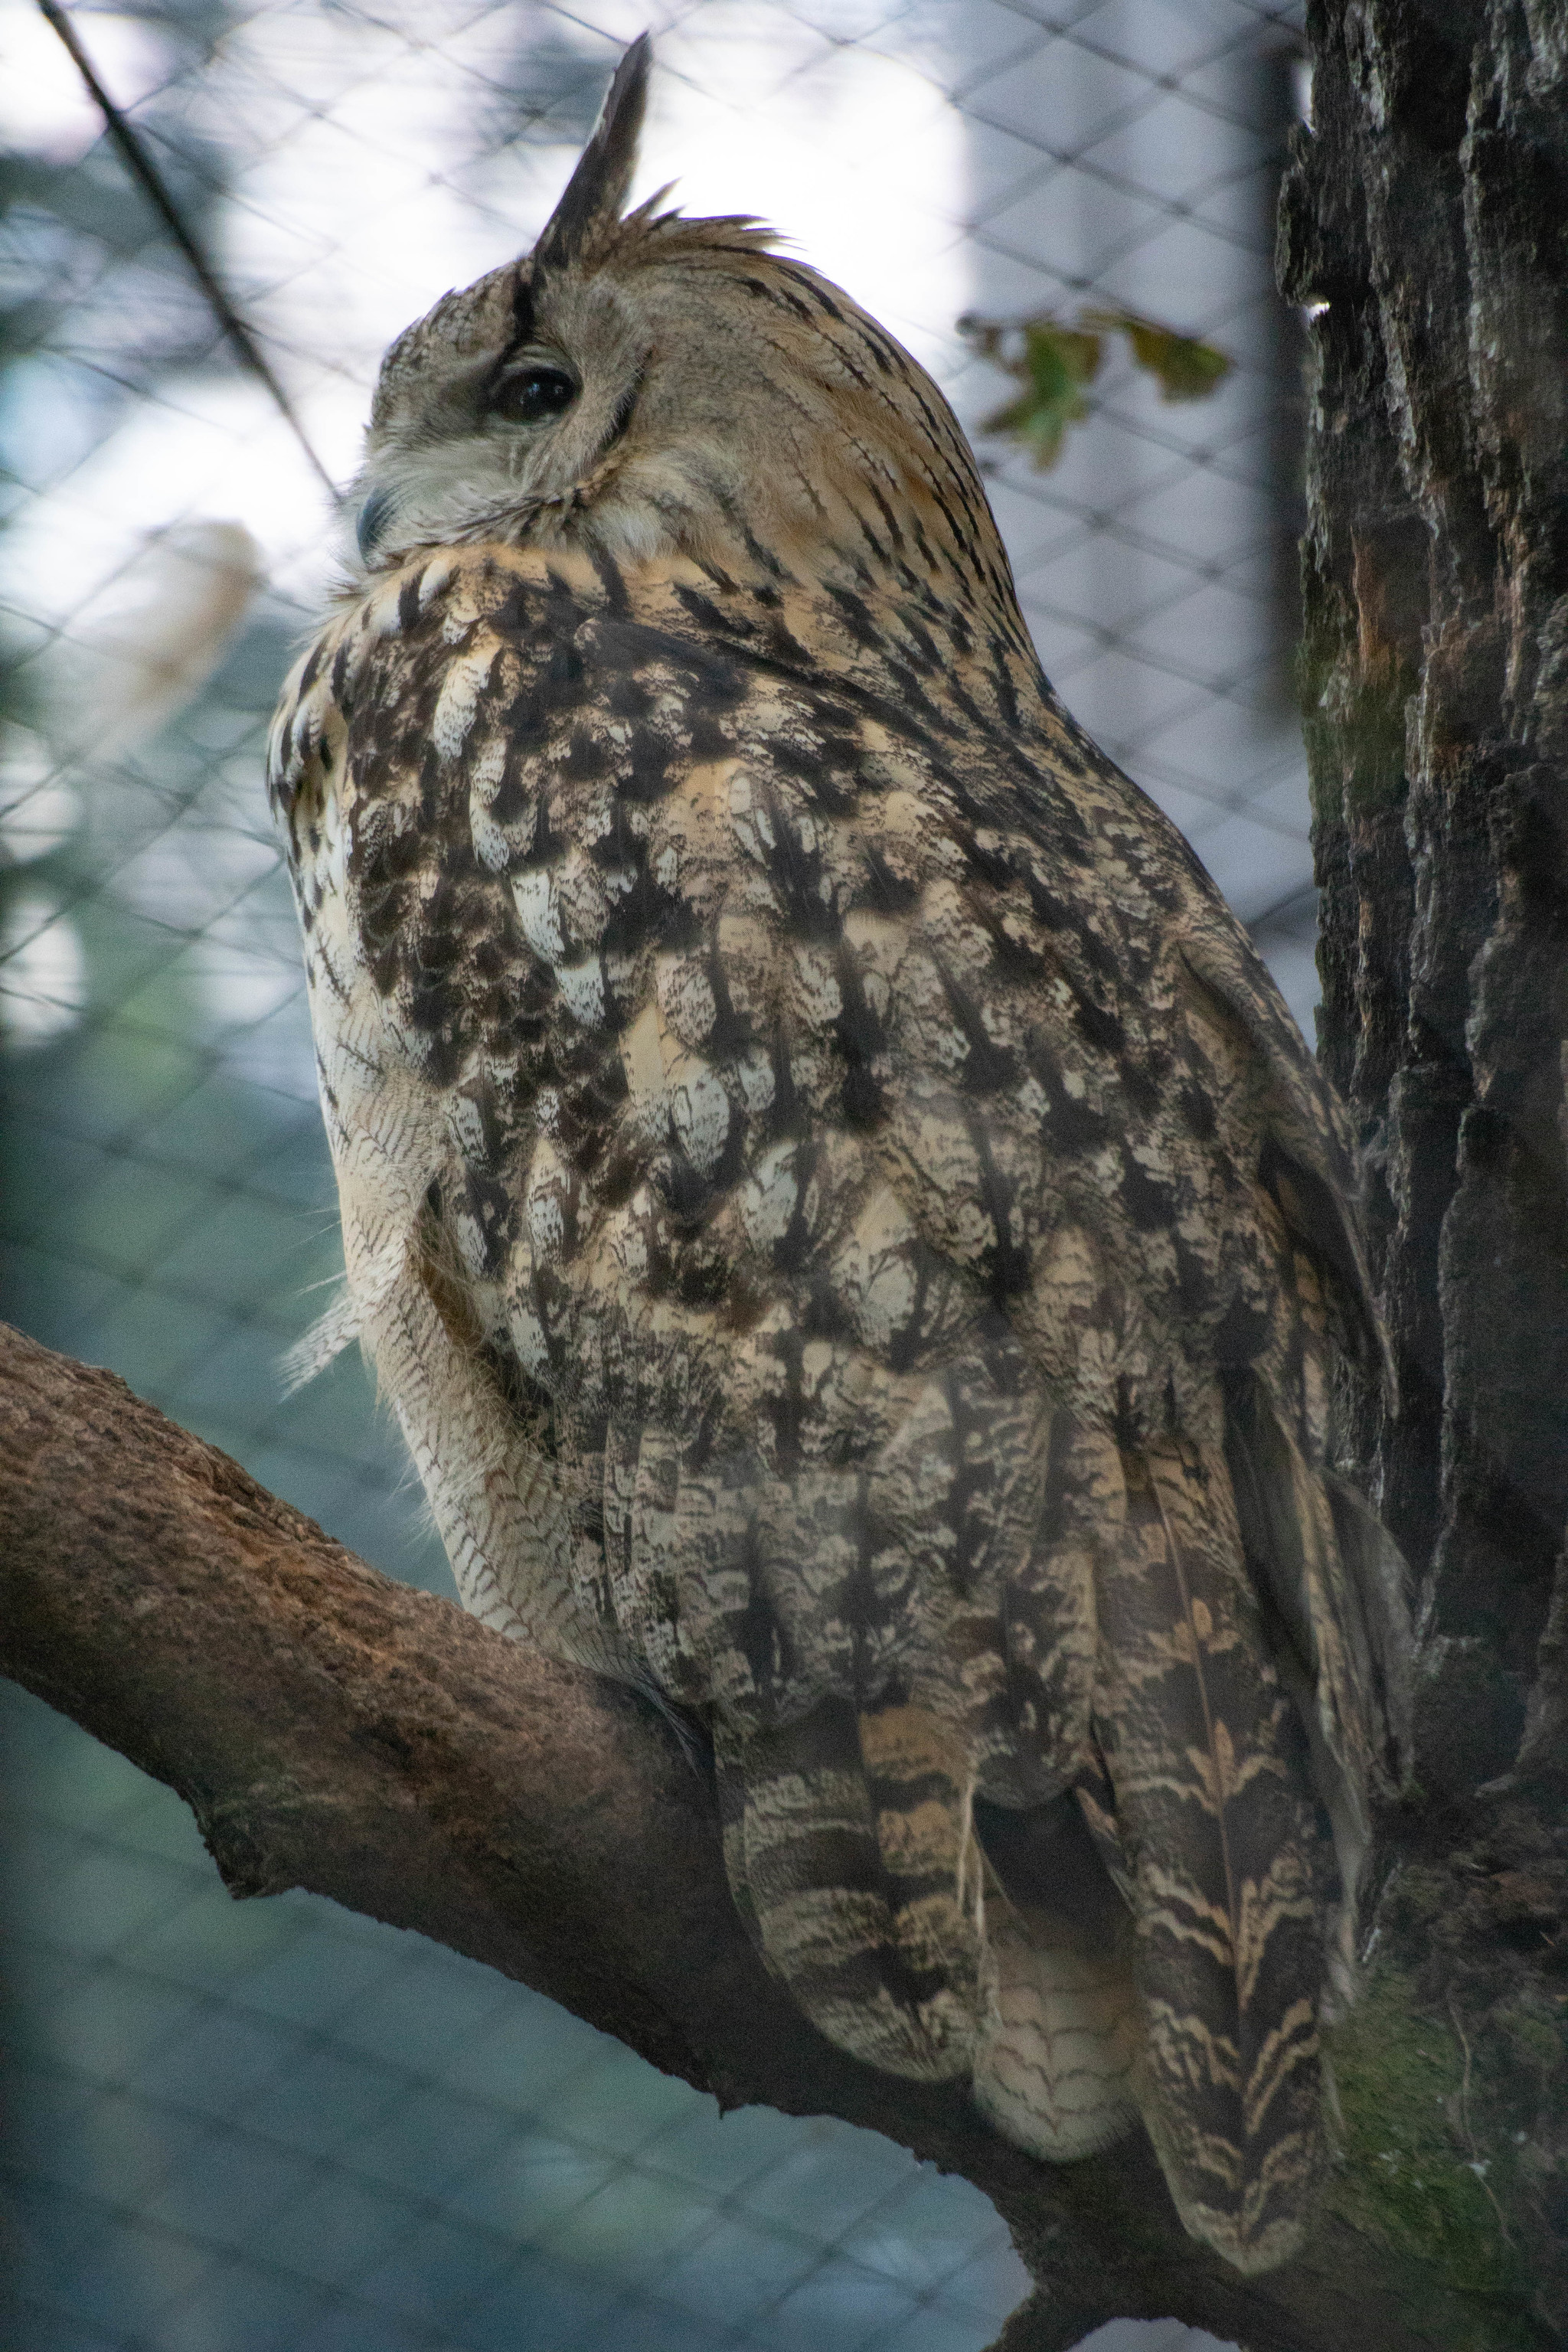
x,y
533,395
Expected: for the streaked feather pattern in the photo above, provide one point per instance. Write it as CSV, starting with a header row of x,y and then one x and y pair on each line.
x,y
852,1237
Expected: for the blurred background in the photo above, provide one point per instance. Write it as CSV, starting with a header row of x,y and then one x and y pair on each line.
x,y
279,2128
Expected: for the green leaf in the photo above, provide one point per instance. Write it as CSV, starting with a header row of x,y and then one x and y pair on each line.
x,y
1053,361
1184,368
1053,367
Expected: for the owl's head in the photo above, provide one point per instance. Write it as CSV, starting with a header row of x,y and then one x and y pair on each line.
x,y
648,385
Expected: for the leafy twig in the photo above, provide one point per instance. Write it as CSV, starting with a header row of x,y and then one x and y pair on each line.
x,y
1054,360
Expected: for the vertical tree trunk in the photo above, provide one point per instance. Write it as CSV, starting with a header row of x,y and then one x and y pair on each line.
x,y
1428,214
1424,220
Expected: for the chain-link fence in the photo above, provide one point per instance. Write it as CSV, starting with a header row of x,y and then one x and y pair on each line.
x,y
277,2126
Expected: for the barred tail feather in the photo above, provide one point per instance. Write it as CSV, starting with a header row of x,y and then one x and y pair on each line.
x,y
852,1856
1056,2069
1336,1578
1213,1812
1336,1582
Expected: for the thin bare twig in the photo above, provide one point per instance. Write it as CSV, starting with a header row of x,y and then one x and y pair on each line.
x,y
140,164
1478,2163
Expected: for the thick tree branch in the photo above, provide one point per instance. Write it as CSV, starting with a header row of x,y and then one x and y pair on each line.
x,y
333,1730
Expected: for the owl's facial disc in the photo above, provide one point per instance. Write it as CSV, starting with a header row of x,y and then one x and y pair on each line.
x,y
645,387
500,406
495,415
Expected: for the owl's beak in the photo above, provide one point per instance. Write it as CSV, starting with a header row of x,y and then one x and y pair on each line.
x,y
374,518
597,188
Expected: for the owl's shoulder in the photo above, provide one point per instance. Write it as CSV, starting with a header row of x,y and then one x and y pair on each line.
x,y
667,802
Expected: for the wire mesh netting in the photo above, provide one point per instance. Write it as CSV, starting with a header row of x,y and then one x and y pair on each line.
x,y
279,2125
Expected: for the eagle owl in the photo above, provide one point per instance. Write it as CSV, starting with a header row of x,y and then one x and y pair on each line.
x,y
853,1239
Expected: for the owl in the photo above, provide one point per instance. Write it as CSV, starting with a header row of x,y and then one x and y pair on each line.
x,y
854,1242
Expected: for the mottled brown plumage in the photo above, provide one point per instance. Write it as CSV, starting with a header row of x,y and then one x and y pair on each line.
x,y
851,1234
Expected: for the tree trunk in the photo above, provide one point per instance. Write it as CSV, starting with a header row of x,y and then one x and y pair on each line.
x,y
1427,214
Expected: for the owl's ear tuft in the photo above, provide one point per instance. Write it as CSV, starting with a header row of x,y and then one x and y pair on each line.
x,y
597,188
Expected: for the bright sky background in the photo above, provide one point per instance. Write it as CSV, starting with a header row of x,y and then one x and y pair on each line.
x,y
343,226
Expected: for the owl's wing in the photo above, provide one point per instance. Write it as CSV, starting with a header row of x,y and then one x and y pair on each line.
x,y
837,1206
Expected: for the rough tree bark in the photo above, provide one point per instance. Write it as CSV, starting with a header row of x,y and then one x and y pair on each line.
x,y
1426,212
333,1730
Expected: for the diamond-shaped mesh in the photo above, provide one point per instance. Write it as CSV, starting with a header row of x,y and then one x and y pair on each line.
x,y
275,2124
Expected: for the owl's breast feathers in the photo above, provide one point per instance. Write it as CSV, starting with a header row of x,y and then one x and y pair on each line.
x,y
853,1160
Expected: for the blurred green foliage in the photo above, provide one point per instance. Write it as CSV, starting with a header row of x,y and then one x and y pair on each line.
x,y
1052,361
